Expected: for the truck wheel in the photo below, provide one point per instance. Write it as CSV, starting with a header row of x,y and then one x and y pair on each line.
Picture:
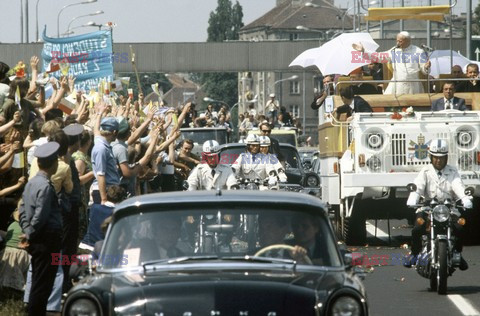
x,y
354,230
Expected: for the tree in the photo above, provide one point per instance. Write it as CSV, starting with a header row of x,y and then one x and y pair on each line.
x,y
223,24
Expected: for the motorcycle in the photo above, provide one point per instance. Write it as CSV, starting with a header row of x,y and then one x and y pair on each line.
x,y
438,259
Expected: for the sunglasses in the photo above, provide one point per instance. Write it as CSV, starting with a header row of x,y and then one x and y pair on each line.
x,y
266,131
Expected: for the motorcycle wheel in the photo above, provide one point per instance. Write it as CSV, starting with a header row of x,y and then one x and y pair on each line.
x,y
433,282
442,273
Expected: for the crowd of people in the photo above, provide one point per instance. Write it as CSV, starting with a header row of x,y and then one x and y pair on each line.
x,y
63,170
78,166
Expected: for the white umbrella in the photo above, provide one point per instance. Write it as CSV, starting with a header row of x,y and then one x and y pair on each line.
x,y
307,58
337,55
440,60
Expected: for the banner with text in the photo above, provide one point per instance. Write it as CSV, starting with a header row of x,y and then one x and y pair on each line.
x,y
87,57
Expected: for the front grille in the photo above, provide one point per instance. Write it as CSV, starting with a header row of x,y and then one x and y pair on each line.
x,y
398,149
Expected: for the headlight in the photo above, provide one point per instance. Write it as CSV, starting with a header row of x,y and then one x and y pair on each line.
x,y
375,141
374,163
464,138
441,213
312,181
346,306
83,306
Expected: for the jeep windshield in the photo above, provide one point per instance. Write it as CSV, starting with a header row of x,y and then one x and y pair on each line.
x,y
212,233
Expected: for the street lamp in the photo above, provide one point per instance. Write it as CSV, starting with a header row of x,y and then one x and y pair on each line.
x,y
69,5
91,23
81,16
304,28
210,100
294,77
70,32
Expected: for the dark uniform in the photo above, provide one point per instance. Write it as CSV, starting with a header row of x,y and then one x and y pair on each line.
x,y
41,222
70,218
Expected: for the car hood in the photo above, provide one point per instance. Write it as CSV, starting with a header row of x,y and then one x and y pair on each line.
x,y
230,293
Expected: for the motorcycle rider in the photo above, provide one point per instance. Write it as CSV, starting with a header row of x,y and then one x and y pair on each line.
x,y
210,174
441,181
253,165
278,167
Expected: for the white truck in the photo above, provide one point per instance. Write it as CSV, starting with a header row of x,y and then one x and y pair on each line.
x,y
366,163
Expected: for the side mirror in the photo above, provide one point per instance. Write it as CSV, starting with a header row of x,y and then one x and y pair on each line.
x,y
469,191
412,187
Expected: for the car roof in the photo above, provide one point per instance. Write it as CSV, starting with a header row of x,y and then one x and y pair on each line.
x,y
230,197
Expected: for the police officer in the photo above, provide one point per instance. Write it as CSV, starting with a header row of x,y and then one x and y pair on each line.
x,y
41,221
70,218
211,174
252,164
441,181
274,164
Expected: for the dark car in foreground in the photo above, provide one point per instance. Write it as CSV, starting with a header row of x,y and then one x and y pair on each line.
x,y
211,253
297,177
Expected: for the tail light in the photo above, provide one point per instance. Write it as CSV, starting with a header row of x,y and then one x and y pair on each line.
x,y
335,167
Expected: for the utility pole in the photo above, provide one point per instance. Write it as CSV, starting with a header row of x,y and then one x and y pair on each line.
x,y
26,21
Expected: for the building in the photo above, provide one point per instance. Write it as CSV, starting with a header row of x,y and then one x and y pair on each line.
x,y
290,20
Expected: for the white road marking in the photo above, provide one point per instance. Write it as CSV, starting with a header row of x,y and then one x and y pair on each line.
x,y
380,233
463,305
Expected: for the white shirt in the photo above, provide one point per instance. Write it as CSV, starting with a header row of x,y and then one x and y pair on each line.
x,y
259,167
201,177
448,185
448,103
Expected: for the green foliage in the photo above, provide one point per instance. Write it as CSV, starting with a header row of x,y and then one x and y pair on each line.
x,y
223,25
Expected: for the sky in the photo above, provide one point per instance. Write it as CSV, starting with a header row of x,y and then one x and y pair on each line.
x,y
146,20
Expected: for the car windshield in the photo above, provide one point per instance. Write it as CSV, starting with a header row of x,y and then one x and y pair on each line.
x,y
200,136
285,138
160,236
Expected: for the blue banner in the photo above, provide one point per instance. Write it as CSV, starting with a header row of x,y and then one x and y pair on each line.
x,y
88,57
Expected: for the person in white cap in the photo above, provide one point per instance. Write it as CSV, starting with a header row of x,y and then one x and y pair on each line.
x,y
441,181
271,108
211,173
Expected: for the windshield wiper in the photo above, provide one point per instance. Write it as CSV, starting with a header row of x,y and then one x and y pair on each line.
x,y
177,260
260,259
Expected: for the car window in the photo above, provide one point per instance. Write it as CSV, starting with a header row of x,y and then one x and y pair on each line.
x,y
291,156
199,136
233,231
230,154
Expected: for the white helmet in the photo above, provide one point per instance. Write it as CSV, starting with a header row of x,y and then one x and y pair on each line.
x,y
264,141
438,148
211,147
252,139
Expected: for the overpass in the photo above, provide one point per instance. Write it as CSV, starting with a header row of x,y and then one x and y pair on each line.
x,y
234,56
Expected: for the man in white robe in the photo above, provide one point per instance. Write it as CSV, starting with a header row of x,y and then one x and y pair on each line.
x,y
407,62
